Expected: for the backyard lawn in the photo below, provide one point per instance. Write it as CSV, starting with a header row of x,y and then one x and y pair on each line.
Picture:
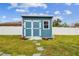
x,y
61,45
14,45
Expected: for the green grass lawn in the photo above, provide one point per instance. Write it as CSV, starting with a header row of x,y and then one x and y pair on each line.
x,y
61,45
14,45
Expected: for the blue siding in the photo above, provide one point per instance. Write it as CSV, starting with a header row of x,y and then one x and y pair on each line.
x,y
28,32
36,32
44,33
28,25
36,25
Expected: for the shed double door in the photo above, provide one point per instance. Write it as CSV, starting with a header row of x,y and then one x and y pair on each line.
x,y
33,28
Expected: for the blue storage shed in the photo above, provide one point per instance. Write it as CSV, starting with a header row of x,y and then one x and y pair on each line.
x,y
35,27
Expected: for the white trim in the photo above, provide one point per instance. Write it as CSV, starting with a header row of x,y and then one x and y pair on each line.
x,y
25,23
40,28
48,25
27,20
37,28
25,26
22,28
51,28
24,32
32,28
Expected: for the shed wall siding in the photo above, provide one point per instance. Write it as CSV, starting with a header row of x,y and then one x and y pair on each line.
x,y
44,33
48,32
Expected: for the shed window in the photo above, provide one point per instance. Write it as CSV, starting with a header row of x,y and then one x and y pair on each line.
x,y
46,24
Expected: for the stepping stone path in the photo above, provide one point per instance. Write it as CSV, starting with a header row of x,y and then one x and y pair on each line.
x,y
37,54
35,41
38,47
3,54
6,55
38,44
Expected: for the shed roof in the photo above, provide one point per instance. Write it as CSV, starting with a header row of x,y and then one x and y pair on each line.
x,y
37,16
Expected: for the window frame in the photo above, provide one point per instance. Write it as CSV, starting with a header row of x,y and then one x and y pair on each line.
x,y
48,25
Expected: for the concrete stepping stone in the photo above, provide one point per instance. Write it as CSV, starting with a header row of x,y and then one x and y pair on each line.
x,y
38,44
1,53
21,55
35,41
37,54
40,48
6,55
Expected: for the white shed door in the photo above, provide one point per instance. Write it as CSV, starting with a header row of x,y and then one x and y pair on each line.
x,y
33,28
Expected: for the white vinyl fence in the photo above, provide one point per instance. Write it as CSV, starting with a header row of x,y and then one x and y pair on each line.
x,y
17,30
65,31
10,30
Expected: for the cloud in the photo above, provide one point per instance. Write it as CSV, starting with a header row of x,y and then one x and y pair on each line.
x,y
2,17
57,12
16,19
38,14
69,4
35,5
13,5
58,17
43,14
27,5
33,14
21,10
47,12
76,3
64,12
68,12
24,7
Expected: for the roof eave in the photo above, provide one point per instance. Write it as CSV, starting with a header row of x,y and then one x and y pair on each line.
x,y
37,16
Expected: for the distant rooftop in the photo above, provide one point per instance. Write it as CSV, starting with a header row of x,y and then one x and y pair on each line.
x,y
11,24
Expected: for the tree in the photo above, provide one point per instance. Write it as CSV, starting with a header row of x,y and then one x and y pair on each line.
x,y
76,25
64,25
57,22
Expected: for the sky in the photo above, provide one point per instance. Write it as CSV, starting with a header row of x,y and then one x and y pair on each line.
x,y
67,12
